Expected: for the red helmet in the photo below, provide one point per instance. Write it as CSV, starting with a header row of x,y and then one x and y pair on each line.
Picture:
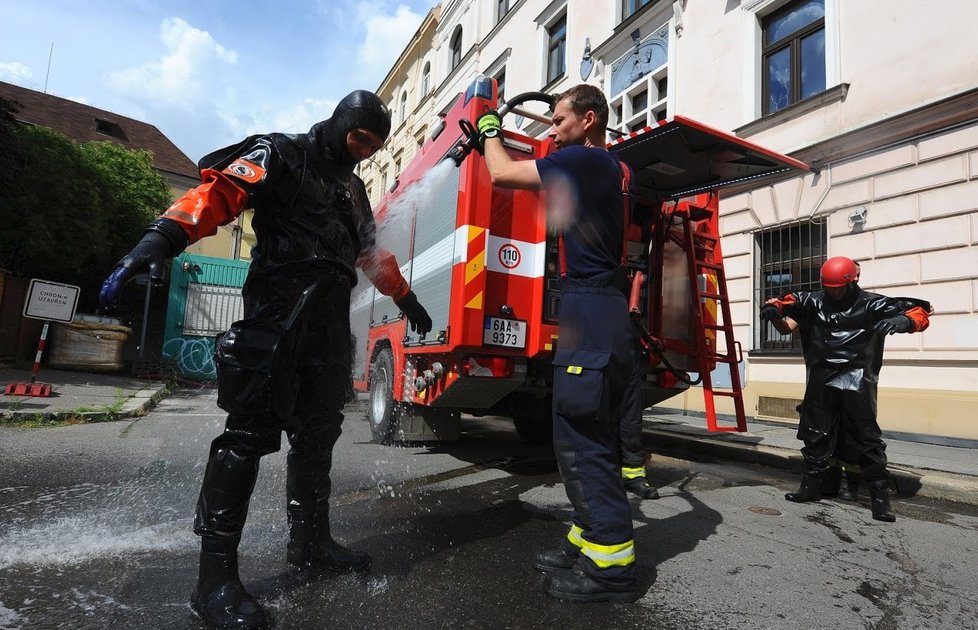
x,y
838,272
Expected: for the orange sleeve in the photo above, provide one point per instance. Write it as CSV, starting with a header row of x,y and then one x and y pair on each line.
x,y
380,266
216,202
919,318
787,300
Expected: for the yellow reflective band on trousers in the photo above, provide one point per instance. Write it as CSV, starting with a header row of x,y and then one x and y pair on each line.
x,y
632,473
574,536
605,556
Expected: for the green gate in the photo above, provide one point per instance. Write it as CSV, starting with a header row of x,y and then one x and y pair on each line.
x,y
204,300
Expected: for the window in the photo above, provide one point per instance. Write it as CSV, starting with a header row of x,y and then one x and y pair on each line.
x,y
426,78
403,110
793,54
502,8
639,86
108,128
501,86
631,6
556,49
456,47
789,259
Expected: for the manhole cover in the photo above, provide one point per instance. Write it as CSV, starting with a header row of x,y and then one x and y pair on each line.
x,y
757,509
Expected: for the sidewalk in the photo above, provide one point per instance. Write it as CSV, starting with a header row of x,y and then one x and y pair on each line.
x,y
932,470
87,395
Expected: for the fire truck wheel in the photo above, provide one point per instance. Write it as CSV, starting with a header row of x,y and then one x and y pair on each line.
x,y
382,410
536,426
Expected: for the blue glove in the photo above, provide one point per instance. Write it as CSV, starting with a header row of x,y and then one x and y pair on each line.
x,y
416,314
891,325
163,239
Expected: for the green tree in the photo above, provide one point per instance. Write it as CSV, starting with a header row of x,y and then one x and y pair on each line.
x,y
71,210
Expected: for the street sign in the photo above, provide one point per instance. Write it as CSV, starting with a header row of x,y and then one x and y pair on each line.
x,y
51,301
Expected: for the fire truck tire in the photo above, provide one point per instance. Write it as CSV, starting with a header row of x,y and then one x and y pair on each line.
x,y
382,408
536,426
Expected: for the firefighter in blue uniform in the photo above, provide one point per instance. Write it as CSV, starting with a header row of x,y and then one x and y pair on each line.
x,y
286,365
596,346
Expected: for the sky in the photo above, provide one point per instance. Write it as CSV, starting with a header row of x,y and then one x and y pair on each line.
x,y
206,73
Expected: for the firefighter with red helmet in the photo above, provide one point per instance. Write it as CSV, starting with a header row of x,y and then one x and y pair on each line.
x,y
843,329
286,365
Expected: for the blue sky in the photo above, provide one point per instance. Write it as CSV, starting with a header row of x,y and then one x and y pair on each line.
x,y
206,73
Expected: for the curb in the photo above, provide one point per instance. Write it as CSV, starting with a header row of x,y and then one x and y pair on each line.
x,y
135,405
909,481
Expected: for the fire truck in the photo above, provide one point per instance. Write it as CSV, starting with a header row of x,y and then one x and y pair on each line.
x,y
484,263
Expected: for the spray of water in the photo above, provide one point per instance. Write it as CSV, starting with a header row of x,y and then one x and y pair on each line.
x,y
398,221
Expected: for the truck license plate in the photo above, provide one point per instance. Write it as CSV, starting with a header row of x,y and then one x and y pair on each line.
x,y
510,333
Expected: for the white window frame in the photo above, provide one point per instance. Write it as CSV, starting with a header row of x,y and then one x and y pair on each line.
x,y
650,82
754,12
545,20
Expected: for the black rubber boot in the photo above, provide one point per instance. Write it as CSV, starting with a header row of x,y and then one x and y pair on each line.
x,y
879,495
574,586
810,490
641,487
832,482
552,560
311,546
219,598
849,486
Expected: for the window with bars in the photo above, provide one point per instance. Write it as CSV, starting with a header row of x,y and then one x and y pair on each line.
x,y
789,259
793,54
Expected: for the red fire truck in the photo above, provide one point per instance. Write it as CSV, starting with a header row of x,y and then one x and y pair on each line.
x,y
484,263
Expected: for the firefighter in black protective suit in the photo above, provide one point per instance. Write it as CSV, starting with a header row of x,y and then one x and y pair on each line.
x,y
842,331
286,365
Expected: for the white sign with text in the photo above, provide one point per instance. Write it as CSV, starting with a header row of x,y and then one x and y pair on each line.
x,y
51,301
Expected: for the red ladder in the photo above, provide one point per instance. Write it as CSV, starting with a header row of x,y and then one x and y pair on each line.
x,y
705,262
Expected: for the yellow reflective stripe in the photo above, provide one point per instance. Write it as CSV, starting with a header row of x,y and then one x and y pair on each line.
x,y
609,555
574,536
632,473
574,369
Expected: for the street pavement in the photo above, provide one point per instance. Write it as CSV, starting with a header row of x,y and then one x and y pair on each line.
x,y
947,471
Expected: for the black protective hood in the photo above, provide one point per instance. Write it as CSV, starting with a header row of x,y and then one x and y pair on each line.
x,y
358,109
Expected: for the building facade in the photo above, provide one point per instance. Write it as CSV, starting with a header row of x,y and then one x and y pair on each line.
x,y
879,96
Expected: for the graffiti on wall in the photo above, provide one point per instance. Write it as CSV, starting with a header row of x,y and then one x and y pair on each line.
x,y
194,356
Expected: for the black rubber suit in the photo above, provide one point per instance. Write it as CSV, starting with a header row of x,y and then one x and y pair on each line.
x,y
843,358
286,366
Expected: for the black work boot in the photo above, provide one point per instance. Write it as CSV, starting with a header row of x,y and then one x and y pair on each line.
x,y
849,486
311,546
219,598
575,586
810,490
641,487
879,495
552,560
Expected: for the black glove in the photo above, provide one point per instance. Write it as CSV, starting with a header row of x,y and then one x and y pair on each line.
x,y
419,318
163,239
770,313
890,325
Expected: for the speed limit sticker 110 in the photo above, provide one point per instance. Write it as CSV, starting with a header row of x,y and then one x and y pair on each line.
x,y
510,333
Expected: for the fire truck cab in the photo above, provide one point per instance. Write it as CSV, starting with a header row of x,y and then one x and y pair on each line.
x,y
484,263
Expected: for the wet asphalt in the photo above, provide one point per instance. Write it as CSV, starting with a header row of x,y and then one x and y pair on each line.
x,y
95,533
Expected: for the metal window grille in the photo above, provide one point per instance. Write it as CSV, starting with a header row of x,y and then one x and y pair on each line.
x,y
211,309
789,259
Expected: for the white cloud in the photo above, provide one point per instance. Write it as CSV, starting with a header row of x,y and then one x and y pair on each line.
x,y
15,72
385,37
184,74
